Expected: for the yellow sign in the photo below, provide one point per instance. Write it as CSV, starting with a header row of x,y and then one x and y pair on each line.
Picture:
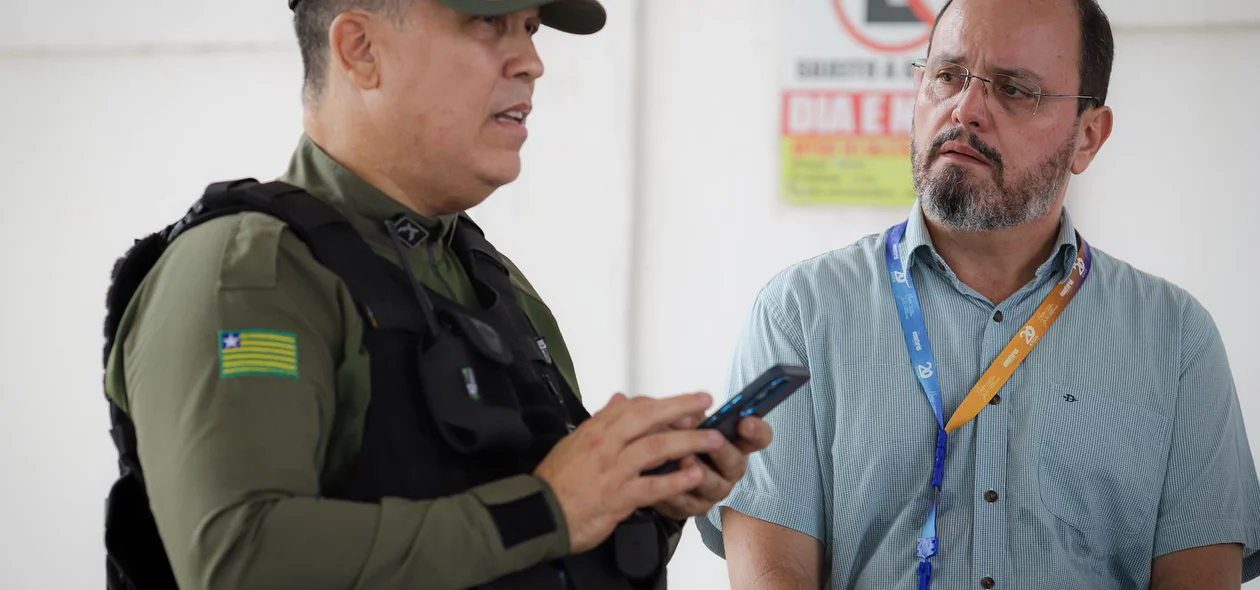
x,y
848,147
851,170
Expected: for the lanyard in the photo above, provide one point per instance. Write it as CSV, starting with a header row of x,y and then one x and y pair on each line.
x,y
925,368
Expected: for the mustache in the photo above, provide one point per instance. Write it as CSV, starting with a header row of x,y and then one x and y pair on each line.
x,y
975,142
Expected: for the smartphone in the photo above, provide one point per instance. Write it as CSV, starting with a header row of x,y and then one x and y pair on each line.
x,y
757,399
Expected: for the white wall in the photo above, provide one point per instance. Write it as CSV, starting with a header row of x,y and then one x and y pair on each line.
x,y
648,236
1132,15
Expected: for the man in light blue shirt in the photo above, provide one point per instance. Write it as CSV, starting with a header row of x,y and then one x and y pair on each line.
x,y
1113,456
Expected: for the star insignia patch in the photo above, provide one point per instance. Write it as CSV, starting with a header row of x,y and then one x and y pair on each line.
x,y
258,352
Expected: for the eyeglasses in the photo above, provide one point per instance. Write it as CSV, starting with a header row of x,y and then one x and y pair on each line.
x,y
1016,96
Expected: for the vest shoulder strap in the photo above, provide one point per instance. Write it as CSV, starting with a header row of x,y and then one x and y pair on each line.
x,y
378,289
381,296
382,299
486,270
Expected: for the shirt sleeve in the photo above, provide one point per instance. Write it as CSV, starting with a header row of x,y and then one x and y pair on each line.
x,y
782,484
1210,492
233,451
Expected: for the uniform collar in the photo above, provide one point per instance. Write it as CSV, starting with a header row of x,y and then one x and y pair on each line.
x,y
918,242
367,207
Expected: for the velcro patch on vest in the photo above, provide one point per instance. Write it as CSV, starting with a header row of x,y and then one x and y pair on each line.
x,y
523,519
258,352
411,233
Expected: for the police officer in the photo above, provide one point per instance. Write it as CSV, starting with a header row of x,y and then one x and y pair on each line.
x,y
335,381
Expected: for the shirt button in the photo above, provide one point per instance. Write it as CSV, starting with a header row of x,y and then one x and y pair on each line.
x,y
997,399
997,316
987,582
991,496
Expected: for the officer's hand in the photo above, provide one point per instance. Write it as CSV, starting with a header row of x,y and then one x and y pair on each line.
x,y
731,461
595,470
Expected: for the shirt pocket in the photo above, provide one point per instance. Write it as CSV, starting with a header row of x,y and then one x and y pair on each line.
x,y
1101,463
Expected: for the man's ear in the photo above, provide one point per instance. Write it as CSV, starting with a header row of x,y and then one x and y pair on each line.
x,y
350,38
1095,129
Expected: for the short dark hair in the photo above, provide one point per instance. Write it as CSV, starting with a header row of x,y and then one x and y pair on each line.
x,y
311,20
1098,50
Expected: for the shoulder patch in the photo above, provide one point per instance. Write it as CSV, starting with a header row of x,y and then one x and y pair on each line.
x,y
251,251
258,352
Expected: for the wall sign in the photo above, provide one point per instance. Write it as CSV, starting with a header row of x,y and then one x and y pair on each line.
x,y
848,99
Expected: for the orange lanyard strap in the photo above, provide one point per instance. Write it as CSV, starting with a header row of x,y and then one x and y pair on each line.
x,y
1017,350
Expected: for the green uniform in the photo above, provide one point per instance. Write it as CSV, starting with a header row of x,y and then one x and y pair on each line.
x,y
234,464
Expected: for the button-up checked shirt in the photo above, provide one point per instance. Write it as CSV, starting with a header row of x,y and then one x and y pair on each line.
x,y
1118,440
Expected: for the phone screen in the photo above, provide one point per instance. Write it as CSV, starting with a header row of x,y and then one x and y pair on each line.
x,y
746,404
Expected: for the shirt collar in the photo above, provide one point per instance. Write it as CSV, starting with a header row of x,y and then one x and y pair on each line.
x,y
367,207
918,242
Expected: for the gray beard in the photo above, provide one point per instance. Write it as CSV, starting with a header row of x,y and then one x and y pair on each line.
x,y
958,202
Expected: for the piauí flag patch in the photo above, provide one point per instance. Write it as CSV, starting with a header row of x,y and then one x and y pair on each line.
x,y
258,352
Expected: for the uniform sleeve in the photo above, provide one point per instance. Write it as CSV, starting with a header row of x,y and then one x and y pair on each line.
x,y
230,368
782,482
1210,492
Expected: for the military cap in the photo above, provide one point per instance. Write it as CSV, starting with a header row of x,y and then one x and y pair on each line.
x,y
580,17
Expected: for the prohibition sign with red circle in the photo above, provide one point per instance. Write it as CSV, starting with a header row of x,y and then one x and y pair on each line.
x,y
918,7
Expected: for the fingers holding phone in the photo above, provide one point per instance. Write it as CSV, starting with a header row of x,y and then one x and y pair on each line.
x,y
724,468
595,471
731,460
755,434
740,421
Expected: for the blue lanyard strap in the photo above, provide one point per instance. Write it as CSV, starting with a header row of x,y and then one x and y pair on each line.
x,y
925,368
924,363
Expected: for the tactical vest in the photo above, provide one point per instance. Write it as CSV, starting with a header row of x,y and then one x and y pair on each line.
x,y
460,397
